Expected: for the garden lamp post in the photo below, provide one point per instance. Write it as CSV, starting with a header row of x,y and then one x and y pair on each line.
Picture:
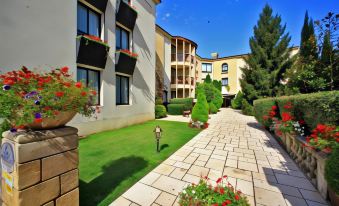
x,y
157,132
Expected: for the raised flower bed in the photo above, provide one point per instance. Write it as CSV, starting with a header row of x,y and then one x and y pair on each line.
x,y
127,15
92,51
305,125
32,100
125,62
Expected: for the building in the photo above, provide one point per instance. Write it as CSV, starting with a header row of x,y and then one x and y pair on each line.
x,y
44,34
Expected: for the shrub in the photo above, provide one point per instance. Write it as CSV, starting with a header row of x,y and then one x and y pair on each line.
x,y
324,137
246,108
212,93
160,111
332,170
158,101
175,109
314,108
200,109
217,100
262,108
217,84
236,102
223,193
188,102
213,109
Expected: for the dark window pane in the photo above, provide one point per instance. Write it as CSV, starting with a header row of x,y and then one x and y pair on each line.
x,y
94,24
118,89
82,75
122,90
82,18
224,81
118,38
93,82
225,67
124,40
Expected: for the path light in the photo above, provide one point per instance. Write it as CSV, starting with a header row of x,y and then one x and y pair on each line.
x,y
157,132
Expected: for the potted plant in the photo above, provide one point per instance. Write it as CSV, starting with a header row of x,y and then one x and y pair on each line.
x,y
222,194
36,100
332,175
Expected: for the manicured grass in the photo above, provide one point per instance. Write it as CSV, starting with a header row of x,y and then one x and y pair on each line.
x,y
112,161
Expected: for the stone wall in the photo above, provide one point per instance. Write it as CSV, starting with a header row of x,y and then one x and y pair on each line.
x,y
40,168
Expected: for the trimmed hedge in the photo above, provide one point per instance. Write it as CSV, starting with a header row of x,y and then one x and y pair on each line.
x,y
200,109
188,102
213,108
236,103
314,108
160,111
175,109
332,170
246,108
261,108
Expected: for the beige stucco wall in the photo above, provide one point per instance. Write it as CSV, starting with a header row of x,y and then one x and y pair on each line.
x,y
42,34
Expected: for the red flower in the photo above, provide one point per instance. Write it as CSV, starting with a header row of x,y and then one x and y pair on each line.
x,y
237,197
222,191
38,120
78,84
321,128
64,69
40,89
308,139
219,180
47,108
288,105
67,84
83,93
216,204
59,94
286,116
225,176
8,81
272,113
274,107
327,150
337,139
227,202
301,122
94,93
265,117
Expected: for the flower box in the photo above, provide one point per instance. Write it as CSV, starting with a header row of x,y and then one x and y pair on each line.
x,y
126,15
92,51
125,62
99,4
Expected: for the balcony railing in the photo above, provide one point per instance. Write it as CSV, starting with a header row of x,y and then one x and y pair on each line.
x,y
182,80
180,57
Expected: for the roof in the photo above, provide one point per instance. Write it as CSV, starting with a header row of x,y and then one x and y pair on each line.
x,y
176,37
157,1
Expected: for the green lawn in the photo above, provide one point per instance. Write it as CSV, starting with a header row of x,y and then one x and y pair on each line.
x,y
112,161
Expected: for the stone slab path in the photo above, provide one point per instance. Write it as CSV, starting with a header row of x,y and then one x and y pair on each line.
x,y
236,146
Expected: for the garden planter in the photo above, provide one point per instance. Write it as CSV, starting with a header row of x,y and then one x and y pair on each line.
x,y
50,123
334,198
125,63
92,53
126,15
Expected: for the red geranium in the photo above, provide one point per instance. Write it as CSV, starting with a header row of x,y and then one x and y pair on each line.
x,y
274,107
64,69
78,84
59,94
286,117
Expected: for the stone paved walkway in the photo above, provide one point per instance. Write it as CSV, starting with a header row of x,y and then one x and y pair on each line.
x,y
233,145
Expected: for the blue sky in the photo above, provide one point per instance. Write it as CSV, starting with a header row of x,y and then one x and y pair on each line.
x,y
225,26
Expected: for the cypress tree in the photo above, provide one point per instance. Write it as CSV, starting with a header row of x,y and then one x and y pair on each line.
x,y
269,57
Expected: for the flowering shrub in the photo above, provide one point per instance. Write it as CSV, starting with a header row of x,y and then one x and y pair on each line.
x,y
205,194
28,97
324,137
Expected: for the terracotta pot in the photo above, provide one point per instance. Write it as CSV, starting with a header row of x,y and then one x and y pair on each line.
x,y
333,197
50,123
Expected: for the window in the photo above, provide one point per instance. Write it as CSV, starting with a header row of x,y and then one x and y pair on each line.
x,y
122,90
90,78
224,67
122,38
88,21
206,67
224,81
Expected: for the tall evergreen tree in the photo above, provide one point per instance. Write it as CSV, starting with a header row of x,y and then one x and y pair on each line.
x,y
269,57
308,44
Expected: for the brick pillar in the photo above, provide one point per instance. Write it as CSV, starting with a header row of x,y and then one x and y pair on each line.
x,y
40,168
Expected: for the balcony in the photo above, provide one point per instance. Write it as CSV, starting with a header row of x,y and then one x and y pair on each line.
x,y
91,51
180,57
126,15
125,62
182,80
99,4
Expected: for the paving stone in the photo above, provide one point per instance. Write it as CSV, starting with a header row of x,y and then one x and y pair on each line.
x,y
248,166
142,194
215,164
294,201
214,174
191,178
164,169
312,195
237,173
231,163
182,165
190,159
121,201
200,163
150,178
311,203
203,157
169,162
169,184
266,177
267,197
220,152
198,171
165,199
294,181
203,151
288,190
178,173
245,187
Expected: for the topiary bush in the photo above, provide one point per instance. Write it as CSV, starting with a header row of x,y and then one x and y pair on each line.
x,y
175,109
160,111
261,108
188,102
158,101
246,108
236,102
332,170
213,109
200,109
